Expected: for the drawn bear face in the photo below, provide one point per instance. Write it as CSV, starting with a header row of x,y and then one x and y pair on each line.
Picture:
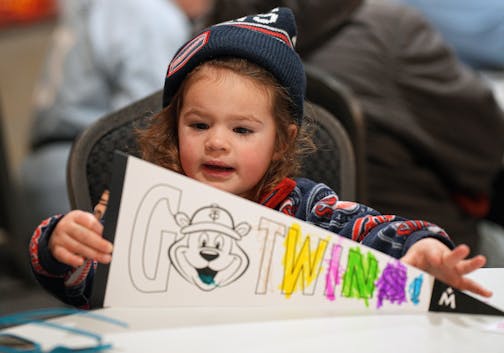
x,y
208,254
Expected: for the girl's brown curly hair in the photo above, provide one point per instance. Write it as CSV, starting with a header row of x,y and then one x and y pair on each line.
x,y
158,142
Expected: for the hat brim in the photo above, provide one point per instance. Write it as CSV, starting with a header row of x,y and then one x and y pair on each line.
x,y
210,226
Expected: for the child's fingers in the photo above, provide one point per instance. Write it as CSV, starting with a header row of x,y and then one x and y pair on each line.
x,y
89,221
474,287
78,249
91,239
456,255
86,249
65,256
77,236
470,265
86,229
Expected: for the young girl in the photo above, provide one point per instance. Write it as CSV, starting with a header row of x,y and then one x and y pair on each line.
x,y
233,119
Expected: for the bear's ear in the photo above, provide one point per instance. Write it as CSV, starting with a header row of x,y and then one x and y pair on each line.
x,y
243,228
182,219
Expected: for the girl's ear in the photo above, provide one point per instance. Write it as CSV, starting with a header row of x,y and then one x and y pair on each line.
x,y
292,131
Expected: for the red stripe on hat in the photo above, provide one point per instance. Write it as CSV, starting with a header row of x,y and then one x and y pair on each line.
x,y
273,33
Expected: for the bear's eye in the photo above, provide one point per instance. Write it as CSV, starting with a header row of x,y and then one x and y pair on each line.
x,y
203,240
219,242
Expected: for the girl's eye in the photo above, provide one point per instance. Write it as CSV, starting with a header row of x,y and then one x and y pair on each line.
x,y
199,126
242,130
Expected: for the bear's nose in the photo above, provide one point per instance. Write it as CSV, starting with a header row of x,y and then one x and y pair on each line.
x,y
209,255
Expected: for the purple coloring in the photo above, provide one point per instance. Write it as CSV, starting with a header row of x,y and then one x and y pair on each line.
x,y
392,283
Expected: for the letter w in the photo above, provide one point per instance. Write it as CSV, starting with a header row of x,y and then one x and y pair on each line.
x,y
301,269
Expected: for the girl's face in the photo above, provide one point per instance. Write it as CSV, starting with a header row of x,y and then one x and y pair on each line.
x,y
226,130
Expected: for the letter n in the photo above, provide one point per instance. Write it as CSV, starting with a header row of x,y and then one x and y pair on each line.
x,y
360,275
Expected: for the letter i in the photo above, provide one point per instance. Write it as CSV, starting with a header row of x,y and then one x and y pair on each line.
x,y
333,275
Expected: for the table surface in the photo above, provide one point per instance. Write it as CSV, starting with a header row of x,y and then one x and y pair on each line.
x,y
287,330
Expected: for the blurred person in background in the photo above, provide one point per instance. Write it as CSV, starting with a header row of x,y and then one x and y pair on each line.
x,y
474,29
434,131
104,55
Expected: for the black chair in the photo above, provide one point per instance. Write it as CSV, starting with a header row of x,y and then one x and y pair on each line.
x,y
89,166
326,91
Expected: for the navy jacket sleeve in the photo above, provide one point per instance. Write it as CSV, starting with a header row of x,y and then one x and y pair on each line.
x,y
393,235
71,285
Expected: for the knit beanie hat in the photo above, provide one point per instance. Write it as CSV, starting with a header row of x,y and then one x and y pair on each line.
x,y
267,40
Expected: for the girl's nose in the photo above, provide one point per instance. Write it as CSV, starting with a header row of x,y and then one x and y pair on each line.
x,y
216,140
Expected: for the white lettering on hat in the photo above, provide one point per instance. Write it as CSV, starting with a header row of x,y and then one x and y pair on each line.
x,y
266,18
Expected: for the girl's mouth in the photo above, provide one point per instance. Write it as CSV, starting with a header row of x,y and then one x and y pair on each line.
x,y
215,170
217,167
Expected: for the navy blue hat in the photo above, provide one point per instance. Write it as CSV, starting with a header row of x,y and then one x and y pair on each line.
x,y
267,40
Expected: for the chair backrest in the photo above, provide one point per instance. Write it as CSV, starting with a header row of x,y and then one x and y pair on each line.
x,y
90,161
331,94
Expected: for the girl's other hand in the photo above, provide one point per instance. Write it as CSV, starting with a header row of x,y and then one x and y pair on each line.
x,y
78,236
449,266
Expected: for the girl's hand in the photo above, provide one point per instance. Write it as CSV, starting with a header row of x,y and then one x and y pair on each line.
x,y
78,236
449,266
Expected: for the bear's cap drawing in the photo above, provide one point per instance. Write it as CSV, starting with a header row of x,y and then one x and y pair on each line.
x,y
215,218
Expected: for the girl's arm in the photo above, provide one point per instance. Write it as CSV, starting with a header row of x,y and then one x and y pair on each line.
x,y
64,252
417,243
